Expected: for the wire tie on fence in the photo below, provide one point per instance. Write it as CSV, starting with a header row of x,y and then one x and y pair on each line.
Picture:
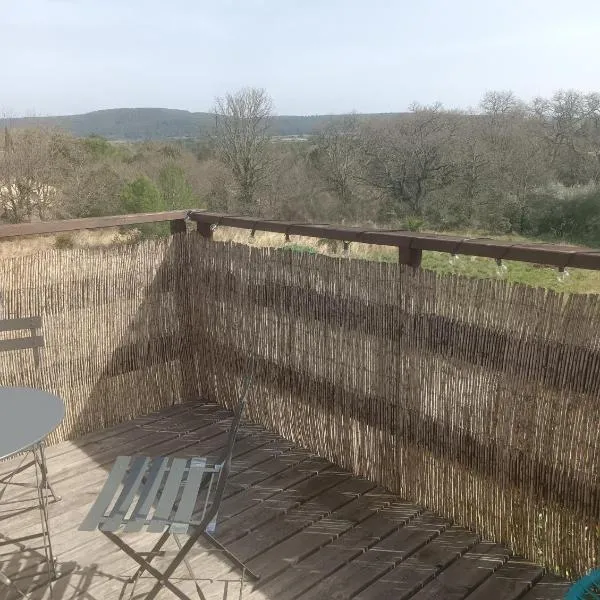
x,y
501,265
213,226
454,252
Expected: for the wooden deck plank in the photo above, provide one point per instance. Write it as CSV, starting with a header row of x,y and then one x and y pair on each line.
x,y
308,528
509,582
413,573
310,536
548,587
292,511
468,572
104,552
386,516
248,510
105,549
382,557
62,448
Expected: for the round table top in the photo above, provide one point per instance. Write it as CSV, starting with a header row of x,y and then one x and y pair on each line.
x,y
27,416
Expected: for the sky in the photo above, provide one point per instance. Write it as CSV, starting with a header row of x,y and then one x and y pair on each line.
x,y
312,56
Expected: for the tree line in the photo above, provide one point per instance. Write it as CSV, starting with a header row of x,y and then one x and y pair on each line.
x,y
507,167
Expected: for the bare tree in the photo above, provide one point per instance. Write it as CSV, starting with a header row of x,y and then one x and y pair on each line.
x,y
565,120
242,122
29,174
409,157
335,157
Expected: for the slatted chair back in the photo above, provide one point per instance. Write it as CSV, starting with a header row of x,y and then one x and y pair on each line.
x,y
32,339
208,520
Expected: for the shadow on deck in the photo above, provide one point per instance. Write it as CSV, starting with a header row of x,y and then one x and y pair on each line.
x,y
309,529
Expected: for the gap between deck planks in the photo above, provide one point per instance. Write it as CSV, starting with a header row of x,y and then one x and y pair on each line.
x,y
308,528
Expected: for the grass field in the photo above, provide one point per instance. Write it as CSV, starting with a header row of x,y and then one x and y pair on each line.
x,y
576,281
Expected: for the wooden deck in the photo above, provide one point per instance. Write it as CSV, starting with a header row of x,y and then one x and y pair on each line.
x,y
311,530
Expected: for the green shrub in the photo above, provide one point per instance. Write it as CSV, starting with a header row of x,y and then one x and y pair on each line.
x,y
572,216
175,188
414,223
142,196
300,248
98,146
64,241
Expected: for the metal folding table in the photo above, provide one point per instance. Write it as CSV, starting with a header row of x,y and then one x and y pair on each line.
x,y
27,416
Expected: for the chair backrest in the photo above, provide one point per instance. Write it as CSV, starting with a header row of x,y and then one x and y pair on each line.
x,y
225,459
34,340
235,423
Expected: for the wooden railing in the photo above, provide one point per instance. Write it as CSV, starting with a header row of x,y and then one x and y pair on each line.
x,y
175,217
410,244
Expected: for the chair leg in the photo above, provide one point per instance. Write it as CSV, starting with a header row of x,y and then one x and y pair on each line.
x,y
162,578
180,557
190,570
161,542
174,564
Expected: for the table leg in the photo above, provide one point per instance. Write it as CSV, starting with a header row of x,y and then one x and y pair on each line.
x,y
45,481
42,488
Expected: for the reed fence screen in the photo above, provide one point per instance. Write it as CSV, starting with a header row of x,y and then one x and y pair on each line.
x,y
476,398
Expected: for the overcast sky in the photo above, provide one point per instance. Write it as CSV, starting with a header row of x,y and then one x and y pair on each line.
x,y
312,56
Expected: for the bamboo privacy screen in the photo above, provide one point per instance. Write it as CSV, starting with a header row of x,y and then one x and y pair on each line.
x,y
476,398
110,325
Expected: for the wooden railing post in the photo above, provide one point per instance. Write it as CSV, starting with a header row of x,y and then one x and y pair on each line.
x,y
409,256
205,230
177,226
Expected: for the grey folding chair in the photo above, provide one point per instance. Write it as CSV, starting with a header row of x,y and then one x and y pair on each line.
x,y
171,496
33,341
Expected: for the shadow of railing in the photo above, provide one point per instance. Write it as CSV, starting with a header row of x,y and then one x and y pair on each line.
x,y
27,570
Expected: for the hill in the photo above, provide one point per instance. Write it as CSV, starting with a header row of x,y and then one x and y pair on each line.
x,y
159,123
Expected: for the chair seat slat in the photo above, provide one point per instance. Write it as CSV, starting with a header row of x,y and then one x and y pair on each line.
x,y
169,494
148,493
96,514
131,486
189,496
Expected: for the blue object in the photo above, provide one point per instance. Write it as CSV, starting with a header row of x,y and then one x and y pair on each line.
x,y
587,588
